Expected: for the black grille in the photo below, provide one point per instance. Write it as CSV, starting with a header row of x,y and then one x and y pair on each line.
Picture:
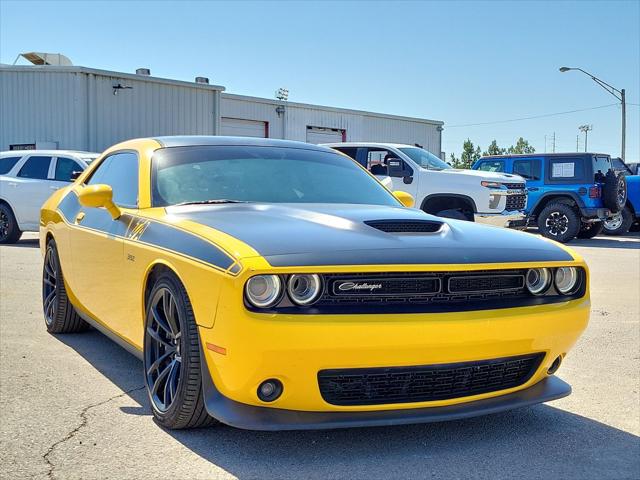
x,y
514,186
484,283
375,386
405,226
516,202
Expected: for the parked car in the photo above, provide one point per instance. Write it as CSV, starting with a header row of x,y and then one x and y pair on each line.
x,y
27,179
621,222
491,198
621,167
570,194
275,285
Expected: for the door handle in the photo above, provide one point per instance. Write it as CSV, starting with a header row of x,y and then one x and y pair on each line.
x,y
79,217
533,189
53,188
12,184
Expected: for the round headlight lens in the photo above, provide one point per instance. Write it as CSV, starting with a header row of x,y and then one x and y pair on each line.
x,y
566,279
263,290
304,289
538,280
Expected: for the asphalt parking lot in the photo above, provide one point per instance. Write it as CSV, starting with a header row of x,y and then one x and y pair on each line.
x,y
73,406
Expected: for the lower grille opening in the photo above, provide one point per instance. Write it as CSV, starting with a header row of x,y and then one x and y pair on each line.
x,y
375,386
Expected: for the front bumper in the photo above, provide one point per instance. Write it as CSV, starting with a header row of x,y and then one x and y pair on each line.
x,y
253,417
509,219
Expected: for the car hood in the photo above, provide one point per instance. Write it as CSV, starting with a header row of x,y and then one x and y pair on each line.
x,y
488,176
314,234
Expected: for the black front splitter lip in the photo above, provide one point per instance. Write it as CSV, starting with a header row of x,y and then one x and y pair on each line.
x,y
251,417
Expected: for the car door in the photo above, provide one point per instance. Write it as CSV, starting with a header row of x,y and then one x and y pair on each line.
x,y
531,170
97,246
30,188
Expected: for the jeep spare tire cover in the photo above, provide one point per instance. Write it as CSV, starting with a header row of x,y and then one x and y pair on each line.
x,y
614,192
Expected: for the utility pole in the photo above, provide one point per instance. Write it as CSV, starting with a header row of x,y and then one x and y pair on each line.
x,y
545,144
577,143
586,129
553,142
619,94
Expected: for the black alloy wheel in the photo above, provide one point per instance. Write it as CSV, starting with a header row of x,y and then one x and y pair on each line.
x,y
9,231
49,284
171,358
559,222
163,360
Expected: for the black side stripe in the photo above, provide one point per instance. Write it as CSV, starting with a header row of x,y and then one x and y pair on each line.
x,y
149,232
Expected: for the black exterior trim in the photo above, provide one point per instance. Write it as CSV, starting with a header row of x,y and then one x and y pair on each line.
x,y
449,195
558,193
251,417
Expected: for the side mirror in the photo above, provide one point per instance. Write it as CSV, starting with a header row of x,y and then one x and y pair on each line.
x,y
96,196
405,198
407,179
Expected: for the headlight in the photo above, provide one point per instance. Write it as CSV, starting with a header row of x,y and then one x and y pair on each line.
x,y
263,290
538,280
567,279
491,184
304,289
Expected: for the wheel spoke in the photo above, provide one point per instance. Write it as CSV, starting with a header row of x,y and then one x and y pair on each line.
x,y
155,365
157,317
173,378
156,336
161,376
48,281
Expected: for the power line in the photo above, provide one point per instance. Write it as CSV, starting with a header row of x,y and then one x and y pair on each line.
x,y
531,117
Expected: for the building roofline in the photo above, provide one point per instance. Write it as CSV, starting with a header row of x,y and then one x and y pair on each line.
x,y
271,101
549,154
109,73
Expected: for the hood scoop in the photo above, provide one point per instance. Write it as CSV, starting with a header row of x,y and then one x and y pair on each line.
x,y
405,226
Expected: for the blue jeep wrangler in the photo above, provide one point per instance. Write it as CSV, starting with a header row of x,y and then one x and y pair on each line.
x,y
570,194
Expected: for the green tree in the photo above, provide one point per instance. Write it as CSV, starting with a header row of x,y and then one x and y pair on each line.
x,y
469,154
522,146
454,161
494,149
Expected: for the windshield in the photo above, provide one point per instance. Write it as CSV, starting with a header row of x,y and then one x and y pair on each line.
x,y
425,159
260,174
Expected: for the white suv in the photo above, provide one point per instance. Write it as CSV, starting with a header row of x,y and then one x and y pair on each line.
x,y
27,179
485,197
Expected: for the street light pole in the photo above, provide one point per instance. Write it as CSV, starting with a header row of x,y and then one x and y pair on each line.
x,y
619,94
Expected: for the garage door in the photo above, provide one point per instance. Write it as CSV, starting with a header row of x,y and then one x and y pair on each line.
x,y
325,135
238,127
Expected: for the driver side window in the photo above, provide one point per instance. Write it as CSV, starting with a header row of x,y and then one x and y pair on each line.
x,y
120,172
385,162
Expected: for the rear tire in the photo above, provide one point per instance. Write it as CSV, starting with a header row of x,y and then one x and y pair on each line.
x,y
172,363
9,230
590,230
620,224
59,314
559,222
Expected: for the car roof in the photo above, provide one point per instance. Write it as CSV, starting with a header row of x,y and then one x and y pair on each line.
x,y
204,140
529,155
53,153
368,144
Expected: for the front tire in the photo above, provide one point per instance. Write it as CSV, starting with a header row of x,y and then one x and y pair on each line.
x,y
172,364
9,230
559,222
590,230
620,223
59,314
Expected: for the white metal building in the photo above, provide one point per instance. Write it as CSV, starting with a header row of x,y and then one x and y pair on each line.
x,y
78,108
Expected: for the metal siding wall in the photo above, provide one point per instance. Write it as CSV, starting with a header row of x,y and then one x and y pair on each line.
x,y
149,109
402,131
298,118
252,110
43,107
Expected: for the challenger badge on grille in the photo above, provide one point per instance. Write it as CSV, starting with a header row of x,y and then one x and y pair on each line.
x,y
406,286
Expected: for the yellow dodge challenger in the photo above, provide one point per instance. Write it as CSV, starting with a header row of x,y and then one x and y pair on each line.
x,y
276,285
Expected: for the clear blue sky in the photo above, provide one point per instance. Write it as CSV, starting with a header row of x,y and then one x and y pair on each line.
x,y
460,62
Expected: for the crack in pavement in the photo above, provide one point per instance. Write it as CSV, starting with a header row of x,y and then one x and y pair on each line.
x,y
84,419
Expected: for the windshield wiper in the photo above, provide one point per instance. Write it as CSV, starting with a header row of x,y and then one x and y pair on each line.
x,y
210,202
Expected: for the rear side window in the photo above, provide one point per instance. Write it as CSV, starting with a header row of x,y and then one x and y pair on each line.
x,y
491,166
562,169
35,167
7,163
65,167
120,172
529,169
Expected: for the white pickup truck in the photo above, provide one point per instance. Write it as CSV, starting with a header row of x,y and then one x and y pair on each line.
x,y
485,197
27,179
